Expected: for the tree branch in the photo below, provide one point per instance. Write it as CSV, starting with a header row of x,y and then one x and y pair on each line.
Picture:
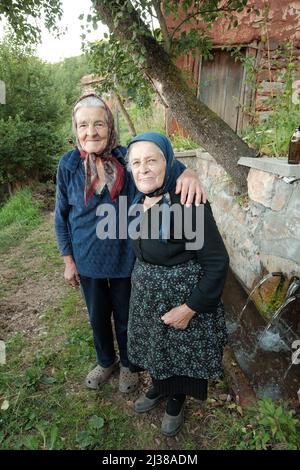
x,y
163,24
193,15
201,123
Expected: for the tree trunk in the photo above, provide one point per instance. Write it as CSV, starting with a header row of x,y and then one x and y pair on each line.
x,y
125,114
10,189
202,124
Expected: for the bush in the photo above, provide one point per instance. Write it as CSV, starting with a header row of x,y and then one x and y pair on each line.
x,y
32,122
272,136
268,425
28,150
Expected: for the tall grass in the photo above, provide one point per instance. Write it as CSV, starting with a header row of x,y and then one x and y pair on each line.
x,y
150,119
18,216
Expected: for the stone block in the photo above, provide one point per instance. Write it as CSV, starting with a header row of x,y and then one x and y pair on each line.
x,y
203,155
189,162
217,173
275,227
238,213
260,186
270,87
282,194
272,165
224,201
293,208
202,168
288,248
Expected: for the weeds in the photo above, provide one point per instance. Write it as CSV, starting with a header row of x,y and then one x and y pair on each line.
x,y
18,217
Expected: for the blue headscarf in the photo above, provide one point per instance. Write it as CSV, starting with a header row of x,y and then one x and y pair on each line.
x,y
170,178
165,146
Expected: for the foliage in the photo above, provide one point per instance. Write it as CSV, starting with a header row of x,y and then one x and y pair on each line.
x,y
176,40
32,132
27,150
88,439
119,64
144,119
24,17
19,207
42,390
43,401
67,75
272,135
265,425
271,425
152,119
117,71
31,91
270,303
183,143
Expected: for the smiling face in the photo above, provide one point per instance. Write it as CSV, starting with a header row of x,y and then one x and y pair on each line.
x,y
92,130
148,166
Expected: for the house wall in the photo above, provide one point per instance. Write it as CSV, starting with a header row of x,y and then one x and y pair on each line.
x,y
279,23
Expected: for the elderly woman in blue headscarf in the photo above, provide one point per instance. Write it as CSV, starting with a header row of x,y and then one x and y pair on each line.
x,y
176,328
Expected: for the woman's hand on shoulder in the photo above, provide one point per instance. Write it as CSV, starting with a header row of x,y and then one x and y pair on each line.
x,y
190,188
178,317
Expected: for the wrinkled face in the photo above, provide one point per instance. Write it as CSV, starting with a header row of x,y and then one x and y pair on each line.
x,y
92,130
148,166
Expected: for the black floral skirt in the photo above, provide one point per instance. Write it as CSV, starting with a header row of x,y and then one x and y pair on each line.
x,y
162,350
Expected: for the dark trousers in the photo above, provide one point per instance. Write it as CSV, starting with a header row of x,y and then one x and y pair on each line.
x,y
103,298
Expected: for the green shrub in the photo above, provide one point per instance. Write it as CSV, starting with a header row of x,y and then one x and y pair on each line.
x,y
272,136
32,122
269,425
27,150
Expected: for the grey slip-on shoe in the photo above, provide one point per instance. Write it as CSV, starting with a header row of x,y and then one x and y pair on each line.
x,y
171,425
143,403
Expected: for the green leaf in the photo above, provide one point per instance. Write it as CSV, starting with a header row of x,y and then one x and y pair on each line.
x,y
84,439
48,380
96,422
31,442
53,437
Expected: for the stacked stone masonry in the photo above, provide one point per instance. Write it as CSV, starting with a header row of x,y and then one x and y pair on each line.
x,y
261,230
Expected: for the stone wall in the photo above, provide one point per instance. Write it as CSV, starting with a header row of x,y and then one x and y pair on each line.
x,y
261,230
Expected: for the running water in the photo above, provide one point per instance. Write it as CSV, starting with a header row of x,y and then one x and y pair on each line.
x,y
264,349
259,284
293,287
